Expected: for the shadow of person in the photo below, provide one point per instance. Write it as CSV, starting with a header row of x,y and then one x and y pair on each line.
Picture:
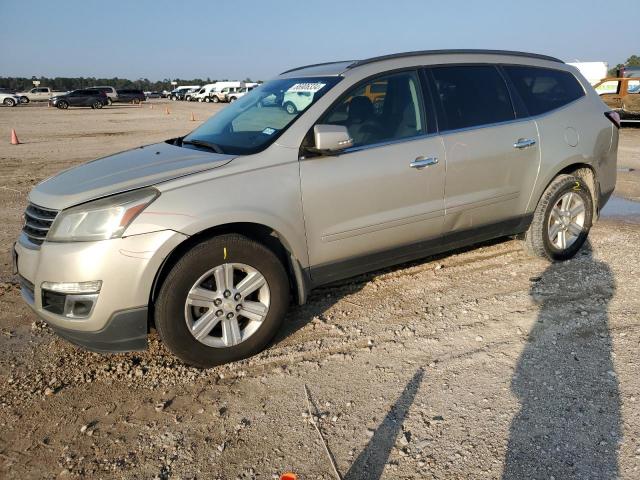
x,y
569,424
370,464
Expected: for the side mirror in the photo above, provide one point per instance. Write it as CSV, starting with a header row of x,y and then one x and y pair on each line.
x,y
331,138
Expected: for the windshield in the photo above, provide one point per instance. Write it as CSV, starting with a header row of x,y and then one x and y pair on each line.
x,y
257,119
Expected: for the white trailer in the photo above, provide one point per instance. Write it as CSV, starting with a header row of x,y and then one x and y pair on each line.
x,y
592,71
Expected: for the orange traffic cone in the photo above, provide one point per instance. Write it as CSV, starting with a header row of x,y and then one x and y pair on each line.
x,y
14,138
193,117
288,476
167,111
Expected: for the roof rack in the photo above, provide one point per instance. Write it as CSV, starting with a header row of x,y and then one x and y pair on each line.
x,y
316,65
451,52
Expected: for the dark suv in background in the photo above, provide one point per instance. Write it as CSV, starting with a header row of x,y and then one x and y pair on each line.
x,y
130,96
80,98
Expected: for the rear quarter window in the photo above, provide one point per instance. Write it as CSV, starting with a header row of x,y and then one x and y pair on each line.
x,y
544,89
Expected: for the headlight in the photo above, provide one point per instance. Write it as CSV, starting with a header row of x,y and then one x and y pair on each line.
x,y
101,219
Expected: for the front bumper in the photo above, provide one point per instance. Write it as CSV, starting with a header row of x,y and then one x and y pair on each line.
x,y
127,268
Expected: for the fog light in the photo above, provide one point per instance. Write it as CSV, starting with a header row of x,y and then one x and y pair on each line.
x,y
73,287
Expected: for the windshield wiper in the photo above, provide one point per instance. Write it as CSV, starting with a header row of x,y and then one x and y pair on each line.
x,y
204,143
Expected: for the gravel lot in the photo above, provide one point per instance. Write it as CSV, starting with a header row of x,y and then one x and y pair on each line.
x,y
484,363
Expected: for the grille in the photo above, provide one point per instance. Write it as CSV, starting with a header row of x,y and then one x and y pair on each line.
x,y
37,222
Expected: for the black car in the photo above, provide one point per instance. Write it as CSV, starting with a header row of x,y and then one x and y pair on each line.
x,y
80,98
130,96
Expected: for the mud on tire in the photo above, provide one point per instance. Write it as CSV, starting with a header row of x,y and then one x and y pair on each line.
x,y
549,216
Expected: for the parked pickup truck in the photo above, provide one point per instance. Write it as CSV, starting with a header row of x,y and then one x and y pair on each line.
x,y
37,94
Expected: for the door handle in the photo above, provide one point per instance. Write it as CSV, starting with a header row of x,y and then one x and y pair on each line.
x,y
524,143
422,162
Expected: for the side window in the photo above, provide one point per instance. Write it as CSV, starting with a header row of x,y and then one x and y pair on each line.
x,y
633,86
608,87
471,95
544,89
383,109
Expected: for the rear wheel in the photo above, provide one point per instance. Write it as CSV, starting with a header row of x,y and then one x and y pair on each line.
x,y
562,219
224,300
290,108
109,101
9,102
215,99
232,99
97,105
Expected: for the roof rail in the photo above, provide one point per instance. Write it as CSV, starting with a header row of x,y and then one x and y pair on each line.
x,y
316,65
451,52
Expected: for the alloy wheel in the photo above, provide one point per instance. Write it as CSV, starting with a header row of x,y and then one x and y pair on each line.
x,y
227,305
566,221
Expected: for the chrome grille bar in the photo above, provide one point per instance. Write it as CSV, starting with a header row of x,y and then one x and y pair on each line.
x,y
38,221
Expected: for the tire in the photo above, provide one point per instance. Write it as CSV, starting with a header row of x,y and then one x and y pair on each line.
x,y
109,101
174,315
552,215
63,105
200,100
215,99
24,100
232,99
9,102
290,108
207,100
97,105
136,101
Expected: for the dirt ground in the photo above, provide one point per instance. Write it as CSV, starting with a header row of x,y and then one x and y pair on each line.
x,y
483,363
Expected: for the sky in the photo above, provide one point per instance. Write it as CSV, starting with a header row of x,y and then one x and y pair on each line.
x,y
259,39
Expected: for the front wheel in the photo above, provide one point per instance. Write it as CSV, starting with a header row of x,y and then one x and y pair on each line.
x,y
215,100
232,99
562,219
62,105
24,99
223,301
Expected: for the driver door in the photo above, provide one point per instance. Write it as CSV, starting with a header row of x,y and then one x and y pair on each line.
x,y
368,205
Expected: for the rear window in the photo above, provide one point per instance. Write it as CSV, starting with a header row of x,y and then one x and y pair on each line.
x,y
544,89
472,95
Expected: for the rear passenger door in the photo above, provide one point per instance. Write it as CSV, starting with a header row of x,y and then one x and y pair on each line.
x,y
492,152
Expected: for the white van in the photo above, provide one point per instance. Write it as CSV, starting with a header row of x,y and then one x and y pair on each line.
x,y
222,89
180,92
200,95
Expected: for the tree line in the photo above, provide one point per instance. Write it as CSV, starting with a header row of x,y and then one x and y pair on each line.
x,y
632,61
73,83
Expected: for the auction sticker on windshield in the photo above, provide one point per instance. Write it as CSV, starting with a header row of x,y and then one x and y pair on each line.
x,y
306,87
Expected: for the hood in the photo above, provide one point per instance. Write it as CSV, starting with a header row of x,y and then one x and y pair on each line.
x,y
141,167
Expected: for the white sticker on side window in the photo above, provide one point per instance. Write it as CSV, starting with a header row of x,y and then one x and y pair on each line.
x,y
269,131
306,87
